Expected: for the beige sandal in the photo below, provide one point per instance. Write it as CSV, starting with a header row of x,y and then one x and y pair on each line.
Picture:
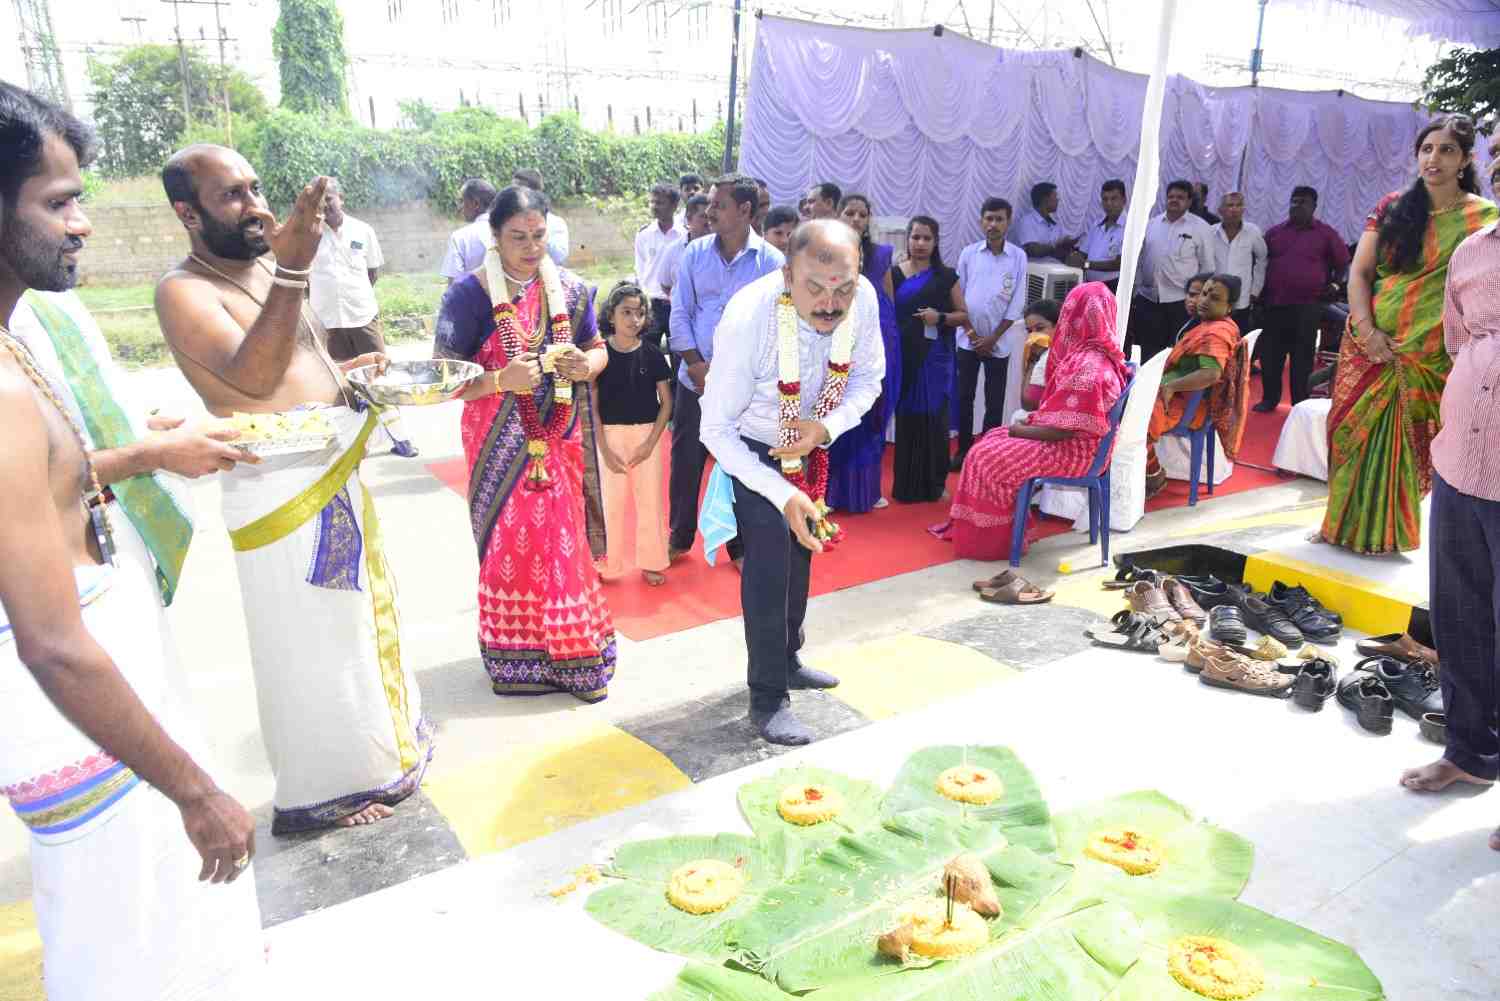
x,y
1019,591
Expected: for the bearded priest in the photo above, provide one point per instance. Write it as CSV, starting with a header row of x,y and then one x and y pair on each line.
x,y
801,364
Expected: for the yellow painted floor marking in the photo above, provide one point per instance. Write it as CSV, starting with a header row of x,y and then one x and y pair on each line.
x,y
531,791
1366,605
886,677
1310,515
20,954
1083,590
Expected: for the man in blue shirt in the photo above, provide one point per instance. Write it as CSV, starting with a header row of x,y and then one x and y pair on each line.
x,y
992,276
1038,232
712,269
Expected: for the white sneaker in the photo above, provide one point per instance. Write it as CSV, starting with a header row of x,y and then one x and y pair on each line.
x,y
882,503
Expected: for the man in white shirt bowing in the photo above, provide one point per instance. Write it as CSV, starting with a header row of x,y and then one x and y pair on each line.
x,y
801,365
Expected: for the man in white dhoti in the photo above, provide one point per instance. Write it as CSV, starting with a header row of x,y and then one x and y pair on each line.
x,y
340,711
801,362
97,752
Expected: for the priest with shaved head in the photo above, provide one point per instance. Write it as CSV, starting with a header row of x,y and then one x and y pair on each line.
x,y
798,362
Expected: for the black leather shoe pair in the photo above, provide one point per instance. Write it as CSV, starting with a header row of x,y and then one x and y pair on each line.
x,y
1208,591
1413,687
1316,683
1226,623
1266,618
1370,701
1307,614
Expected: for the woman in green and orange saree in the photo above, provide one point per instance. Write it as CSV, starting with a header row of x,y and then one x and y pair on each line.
x,y
1392,364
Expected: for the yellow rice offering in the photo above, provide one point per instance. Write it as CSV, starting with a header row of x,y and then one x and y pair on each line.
x,y
1215,968
970,784
933,937
809,804
705,886
1129,850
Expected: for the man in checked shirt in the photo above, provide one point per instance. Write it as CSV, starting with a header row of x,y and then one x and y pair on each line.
x,y
1465,522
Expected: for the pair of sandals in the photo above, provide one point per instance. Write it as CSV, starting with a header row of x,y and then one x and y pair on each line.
x,y
1010,588
1133,631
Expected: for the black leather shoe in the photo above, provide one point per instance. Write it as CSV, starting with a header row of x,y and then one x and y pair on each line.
x,y
1306,614
1413,687
1226,624
1315,685
1266,618
1371,703
1208,592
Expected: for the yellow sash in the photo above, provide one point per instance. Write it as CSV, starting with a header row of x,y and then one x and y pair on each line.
x,y
296,512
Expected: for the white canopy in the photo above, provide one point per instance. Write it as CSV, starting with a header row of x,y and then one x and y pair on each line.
x,y
1473,22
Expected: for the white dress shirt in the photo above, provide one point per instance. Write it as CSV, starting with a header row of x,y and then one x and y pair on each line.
x,y
651,244
1245,258
1032,227
466,248
994,287
1174,253
1103,241
557,239
741,398
339,286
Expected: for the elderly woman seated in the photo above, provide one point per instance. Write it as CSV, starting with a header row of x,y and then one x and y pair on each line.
x,y
1208,357
1085,375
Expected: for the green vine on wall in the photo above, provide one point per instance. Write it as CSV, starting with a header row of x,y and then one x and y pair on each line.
x,y
308,42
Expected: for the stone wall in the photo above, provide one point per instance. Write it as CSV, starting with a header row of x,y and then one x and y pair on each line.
x,y
133,244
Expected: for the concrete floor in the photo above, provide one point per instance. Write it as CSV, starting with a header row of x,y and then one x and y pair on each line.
x,y
678,692
1404,879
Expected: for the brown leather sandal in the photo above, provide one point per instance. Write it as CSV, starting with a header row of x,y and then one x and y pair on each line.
x,y
996,582
1019,591
1148,599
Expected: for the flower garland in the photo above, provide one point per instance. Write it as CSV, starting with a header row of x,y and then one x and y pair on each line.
x,y
539,436
810,475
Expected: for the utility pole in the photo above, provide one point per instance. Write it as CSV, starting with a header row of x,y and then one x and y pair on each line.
x,y
44,68
990,38
734,76
182,62
1257,56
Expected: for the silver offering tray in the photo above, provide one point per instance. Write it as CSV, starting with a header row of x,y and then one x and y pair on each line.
x,y
415,383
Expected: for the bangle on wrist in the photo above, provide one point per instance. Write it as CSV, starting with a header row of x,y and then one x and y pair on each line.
x,y
287,282
498,390
293,271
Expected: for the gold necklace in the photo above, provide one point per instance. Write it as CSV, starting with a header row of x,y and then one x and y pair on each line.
x,y
95,505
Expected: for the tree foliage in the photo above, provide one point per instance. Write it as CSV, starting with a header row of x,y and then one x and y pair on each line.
x,y
138,110
386,167
308,42
1465,80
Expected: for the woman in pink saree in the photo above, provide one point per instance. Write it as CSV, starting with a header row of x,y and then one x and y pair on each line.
x,y
1085,376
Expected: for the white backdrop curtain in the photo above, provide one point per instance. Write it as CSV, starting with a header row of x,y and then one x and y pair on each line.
x,y
935,124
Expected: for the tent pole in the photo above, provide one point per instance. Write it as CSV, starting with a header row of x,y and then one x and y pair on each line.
x,y
1259,53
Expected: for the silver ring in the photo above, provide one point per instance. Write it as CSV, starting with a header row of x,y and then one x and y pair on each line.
x,y
243,862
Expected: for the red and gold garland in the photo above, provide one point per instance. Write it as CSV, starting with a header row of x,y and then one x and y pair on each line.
x,y
539,437
809,475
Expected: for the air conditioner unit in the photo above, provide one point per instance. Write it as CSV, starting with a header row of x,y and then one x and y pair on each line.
x,y
1050,281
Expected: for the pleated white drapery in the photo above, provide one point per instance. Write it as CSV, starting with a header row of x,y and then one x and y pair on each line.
x,y
935,124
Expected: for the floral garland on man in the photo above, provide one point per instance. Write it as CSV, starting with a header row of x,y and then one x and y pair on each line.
x,y
540,437
810,475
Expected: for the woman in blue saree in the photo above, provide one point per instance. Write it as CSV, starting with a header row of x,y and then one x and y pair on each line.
x,y
929,306
854,461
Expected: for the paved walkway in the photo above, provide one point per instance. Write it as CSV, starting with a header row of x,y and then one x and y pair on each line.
x,y
510,772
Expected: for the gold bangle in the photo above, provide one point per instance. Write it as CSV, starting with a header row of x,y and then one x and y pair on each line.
x,y
498,390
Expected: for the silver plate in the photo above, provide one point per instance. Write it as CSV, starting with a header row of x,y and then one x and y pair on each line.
x,y
415,383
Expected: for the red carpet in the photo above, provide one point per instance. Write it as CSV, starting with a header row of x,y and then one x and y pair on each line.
x,y
881,544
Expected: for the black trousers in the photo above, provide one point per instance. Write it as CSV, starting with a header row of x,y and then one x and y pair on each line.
x,y
1465,565
995,371
1289,331
773,591
1154,325
685,484
661,318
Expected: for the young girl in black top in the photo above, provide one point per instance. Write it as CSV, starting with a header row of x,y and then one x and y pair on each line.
x,y
634,404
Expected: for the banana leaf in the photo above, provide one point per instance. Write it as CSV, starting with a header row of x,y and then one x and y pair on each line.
x,y
1077,957
697,982
819,927
861,806
637,905
1300,965
1198,858
1020,811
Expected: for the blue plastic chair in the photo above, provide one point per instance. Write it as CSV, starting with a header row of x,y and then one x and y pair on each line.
x,y
1096,480
1200,441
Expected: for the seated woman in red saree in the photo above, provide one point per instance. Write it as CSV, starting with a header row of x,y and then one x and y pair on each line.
x,y
1209,357
534,499
1085,376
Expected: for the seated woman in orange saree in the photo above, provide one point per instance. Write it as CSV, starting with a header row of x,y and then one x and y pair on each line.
x,y
1209,357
